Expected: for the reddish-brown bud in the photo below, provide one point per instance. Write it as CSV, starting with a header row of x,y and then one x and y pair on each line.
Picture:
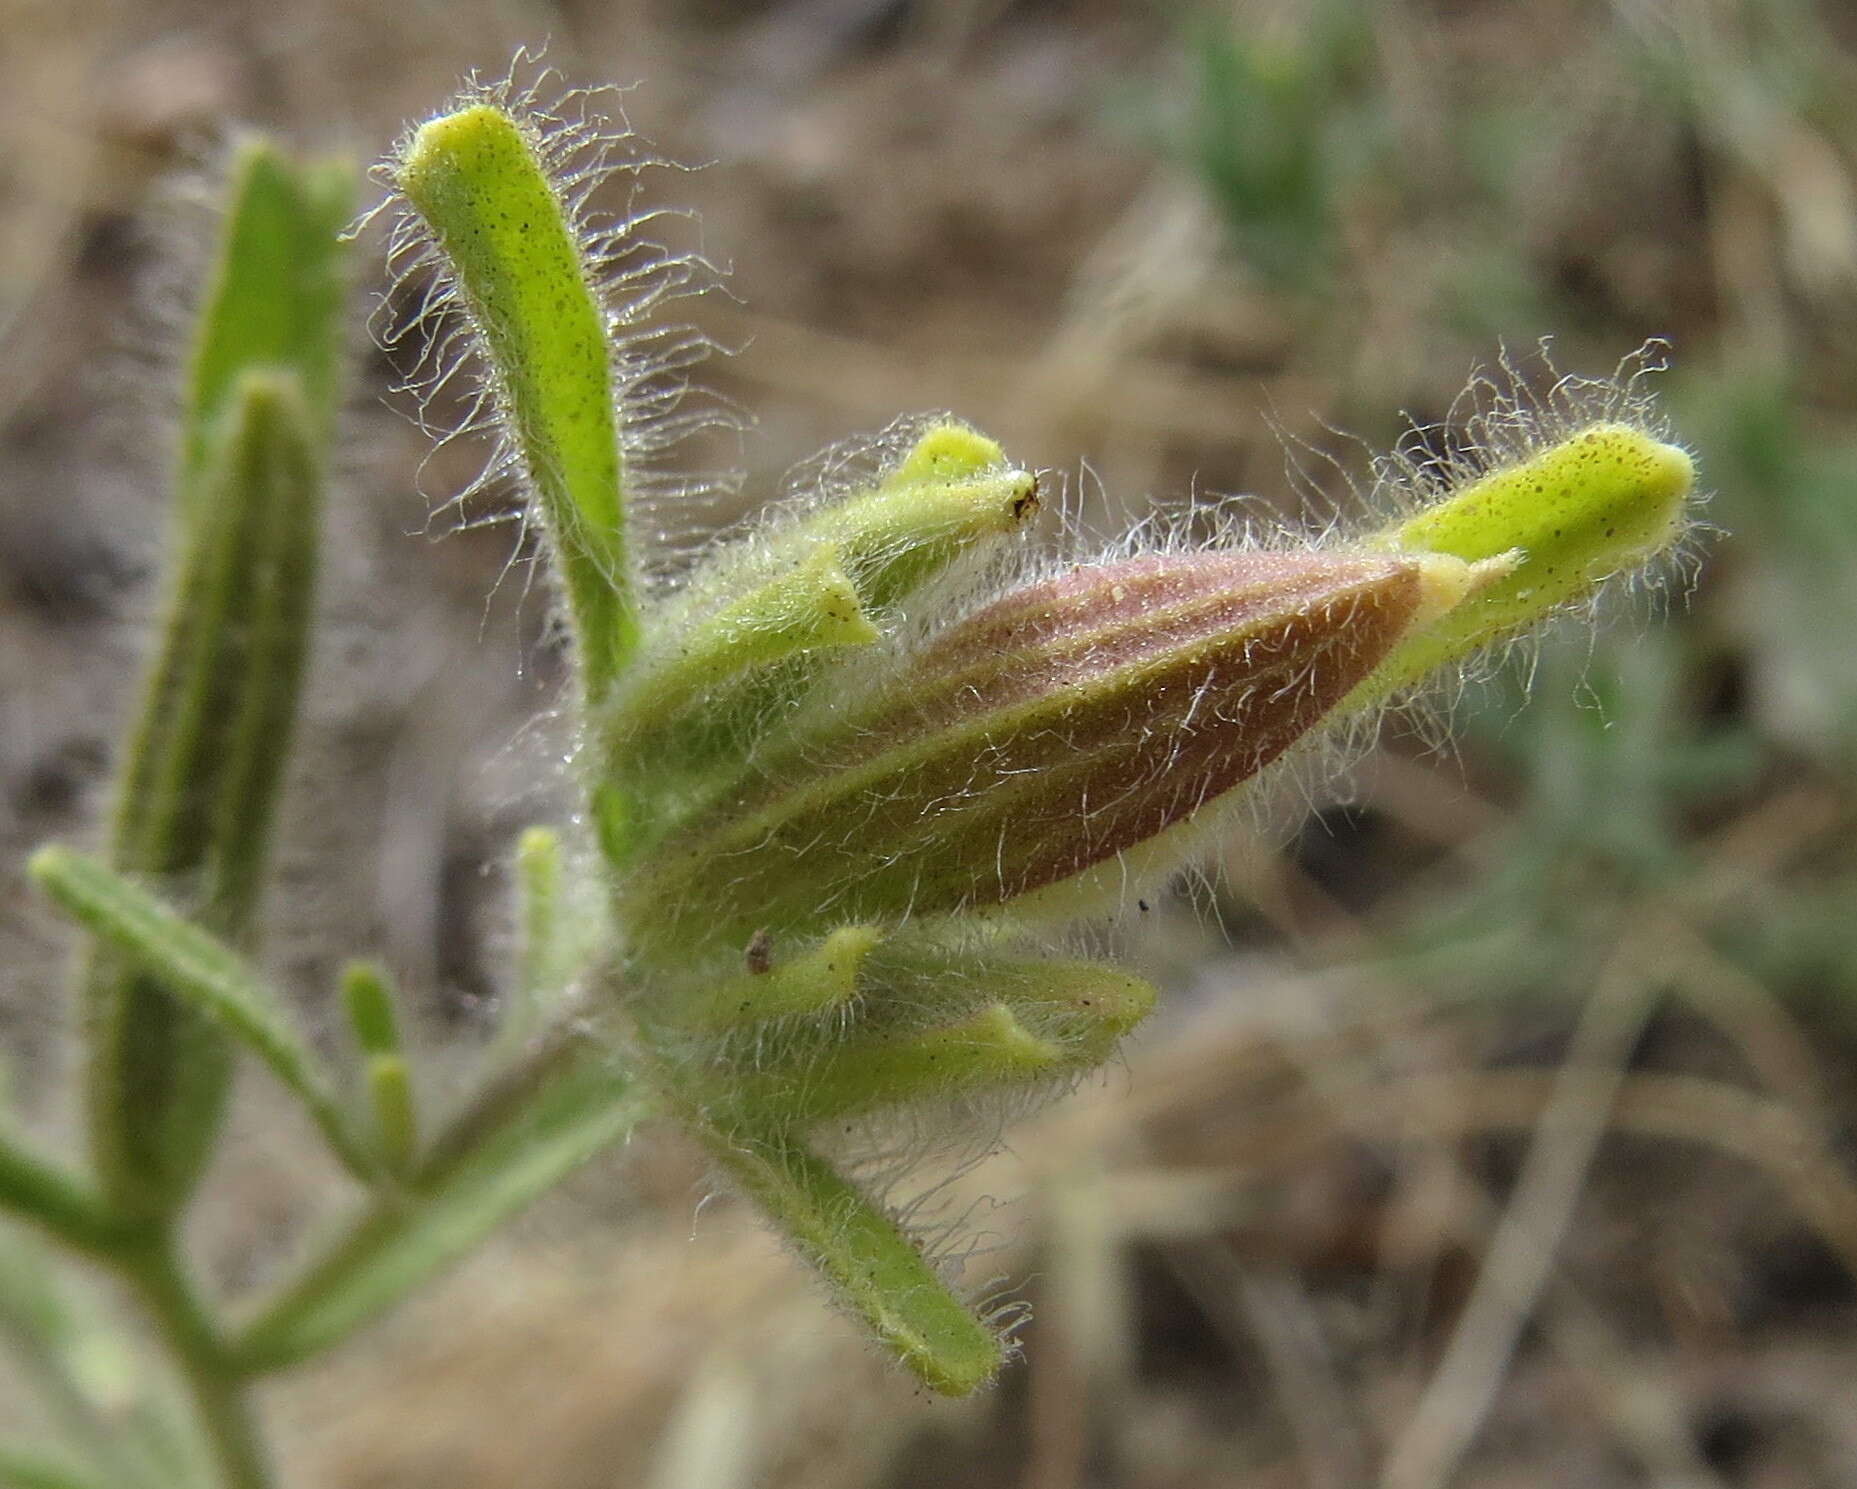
x,y
1066,723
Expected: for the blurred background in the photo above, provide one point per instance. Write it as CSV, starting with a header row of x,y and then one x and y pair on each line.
x,y
1497,1129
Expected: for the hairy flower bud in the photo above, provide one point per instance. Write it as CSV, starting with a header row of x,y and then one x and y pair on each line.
x,y
1066,723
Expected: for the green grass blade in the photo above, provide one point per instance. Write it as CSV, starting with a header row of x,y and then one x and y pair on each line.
x,y
503,1156
476,179
202,974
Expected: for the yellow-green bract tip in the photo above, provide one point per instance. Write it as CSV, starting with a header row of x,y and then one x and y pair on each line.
x,y
947,451
470,130
1603,501
1603,498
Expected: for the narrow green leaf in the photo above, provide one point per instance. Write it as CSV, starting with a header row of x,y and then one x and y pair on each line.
x,y
200,786
38,1191
504,1154
201,776
204,975
476,178
276,297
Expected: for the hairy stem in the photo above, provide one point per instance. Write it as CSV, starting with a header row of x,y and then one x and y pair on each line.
x,y
527,1131
217,1387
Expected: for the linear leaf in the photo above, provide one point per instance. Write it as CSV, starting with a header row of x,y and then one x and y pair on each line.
x,y
202,772
276,297
200,787
204,975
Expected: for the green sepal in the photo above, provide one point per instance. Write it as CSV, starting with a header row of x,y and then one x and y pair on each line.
x,y
952,493
949,494
762,627
853,1077
817,979
1040,1021
802,609
201,783
476,178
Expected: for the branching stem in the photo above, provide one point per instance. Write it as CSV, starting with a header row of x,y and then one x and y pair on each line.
x,y
213,1380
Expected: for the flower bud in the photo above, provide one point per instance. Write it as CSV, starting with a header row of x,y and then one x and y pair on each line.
x,y
1068,722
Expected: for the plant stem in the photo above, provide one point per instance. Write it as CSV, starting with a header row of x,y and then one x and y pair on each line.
x,y
22,1468
34,1190
561,1104
194,1341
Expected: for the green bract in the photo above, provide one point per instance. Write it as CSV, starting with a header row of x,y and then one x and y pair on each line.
x,y
1600,501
